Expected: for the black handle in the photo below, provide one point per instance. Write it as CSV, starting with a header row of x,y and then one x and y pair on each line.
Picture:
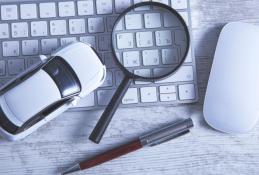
x,y
109,111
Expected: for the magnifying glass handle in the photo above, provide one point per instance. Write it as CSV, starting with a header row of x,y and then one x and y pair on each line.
x,y
109,111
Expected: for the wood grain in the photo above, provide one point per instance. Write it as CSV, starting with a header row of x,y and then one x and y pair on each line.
x,y
63,142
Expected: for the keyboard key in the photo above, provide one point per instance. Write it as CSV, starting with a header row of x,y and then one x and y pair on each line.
x,y
118,77
144,39
170,20
30,47
49,45
141,8
89,40
125,40
76,26
139,1
109,60
66,41
33,61
179,4
108,80
184,73
66,9
121,5
4,31
15,66
85,7
163,38
168,97
118,56
88,101
142,73
188,58
148,94
162,1
47,10
185,17
104,42
170,56
28,11
179,37
39,28
104,6
186,92
10,48
2,67
131,59
150,57
133,21
131,96
167,89
110,22
95,25
119,25
9,12
104,96
152,20
20,30
58,27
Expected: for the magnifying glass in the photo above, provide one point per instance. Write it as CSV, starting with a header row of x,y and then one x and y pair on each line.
x,y
150,41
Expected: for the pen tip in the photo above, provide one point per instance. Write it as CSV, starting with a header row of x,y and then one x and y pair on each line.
x,y
72,169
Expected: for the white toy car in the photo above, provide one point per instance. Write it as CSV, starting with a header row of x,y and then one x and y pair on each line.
x,y
45,91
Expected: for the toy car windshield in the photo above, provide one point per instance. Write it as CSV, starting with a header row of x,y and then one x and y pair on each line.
x,y
64,76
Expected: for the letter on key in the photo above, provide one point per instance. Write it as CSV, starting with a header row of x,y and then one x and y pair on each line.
x,y
47,10
131,96
152,20
4,31
9,12
85,7
104,6
39,28
163,38
144,39
28,11
66,9
125,40
20,30
133,21
150,57
95,25
10,48
131,59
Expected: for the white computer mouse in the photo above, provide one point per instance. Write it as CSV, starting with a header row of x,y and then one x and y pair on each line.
x,y
232,98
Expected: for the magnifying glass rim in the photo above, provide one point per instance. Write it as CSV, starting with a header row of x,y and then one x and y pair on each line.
x,y
173,11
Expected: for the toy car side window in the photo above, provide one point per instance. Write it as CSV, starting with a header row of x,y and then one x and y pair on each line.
x,y
64,76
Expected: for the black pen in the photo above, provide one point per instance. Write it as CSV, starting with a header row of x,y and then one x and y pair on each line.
x,y
157,137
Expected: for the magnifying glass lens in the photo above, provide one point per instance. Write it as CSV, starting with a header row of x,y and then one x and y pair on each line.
x,y
150,42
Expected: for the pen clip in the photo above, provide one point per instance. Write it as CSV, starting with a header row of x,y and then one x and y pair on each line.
x,y
168,138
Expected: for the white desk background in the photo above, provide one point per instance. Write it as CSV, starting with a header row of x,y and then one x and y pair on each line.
x,y
64,141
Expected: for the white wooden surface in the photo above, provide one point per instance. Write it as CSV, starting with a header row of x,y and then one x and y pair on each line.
x,y
63,142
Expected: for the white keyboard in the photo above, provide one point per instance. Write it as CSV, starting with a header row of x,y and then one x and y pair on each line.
x,y
30,28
